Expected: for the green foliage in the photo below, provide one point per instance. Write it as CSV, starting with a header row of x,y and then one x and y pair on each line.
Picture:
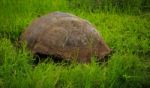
x,y
127,35
126,6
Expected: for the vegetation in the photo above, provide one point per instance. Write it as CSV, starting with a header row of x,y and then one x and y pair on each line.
x,y
125,6
124,25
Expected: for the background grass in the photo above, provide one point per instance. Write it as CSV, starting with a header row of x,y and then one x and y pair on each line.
x,y
124,25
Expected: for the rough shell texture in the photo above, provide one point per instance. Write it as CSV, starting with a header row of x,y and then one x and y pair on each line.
x,y
65,35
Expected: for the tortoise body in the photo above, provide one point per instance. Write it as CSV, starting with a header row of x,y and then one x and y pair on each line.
x,y
64,35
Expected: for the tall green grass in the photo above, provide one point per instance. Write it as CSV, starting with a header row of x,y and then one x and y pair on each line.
x,y
128,36
119,6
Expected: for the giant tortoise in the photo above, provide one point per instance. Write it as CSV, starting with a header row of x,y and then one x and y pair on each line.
x,y
65,35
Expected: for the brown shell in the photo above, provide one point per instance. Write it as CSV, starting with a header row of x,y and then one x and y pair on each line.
x,y
65,35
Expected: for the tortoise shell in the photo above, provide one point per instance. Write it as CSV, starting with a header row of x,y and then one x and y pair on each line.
x,y
65,35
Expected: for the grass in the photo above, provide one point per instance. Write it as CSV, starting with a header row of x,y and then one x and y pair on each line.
x,y
127,34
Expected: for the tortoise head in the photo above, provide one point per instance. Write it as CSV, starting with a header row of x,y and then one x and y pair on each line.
x,y
102,49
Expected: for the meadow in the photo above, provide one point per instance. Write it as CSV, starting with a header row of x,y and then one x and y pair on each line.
x,y
124,25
